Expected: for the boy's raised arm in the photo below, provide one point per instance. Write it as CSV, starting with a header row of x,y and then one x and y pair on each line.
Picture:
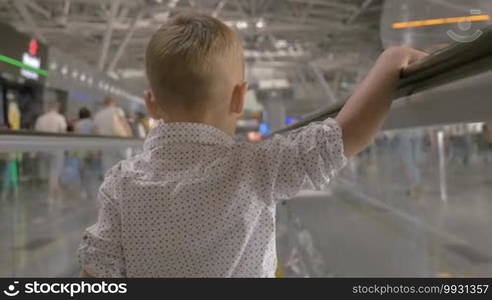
x,y
363,115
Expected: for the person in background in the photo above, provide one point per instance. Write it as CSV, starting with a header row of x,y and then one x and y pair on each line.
x,y
9,167
85,125
111,120
51,121
87,159
410,151
54,122
138,125
487,136
70,125
143,125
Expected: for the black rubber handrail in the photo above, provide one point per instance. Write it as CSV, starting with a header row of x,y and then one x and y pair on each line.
x,y
456,61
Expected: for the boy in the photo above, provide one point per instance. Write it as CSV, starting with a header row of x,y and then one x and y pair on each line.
x,y
195,203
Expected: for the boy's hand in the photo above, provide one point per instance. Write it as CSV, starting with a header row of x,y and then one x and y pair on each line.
x,y
363,115
402,57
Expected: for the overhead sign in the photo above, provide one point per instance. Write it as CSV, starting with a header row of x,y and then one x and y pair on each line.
x,y
30,59
22,56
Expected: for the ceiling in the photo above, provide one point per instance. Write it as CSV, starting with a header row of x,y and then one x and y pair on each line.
x,y
318,45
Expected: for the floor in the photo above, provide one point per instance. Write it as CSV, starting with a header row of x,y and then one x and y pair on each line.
x,y
40,233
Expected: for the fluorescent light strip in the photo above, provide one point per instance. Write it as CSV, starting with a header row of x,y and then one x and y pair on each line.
x,y
19,64
442,21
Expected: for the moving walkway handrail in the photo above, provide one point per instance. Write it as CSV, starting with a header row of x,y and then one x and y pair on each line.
x,y
456,61
23,132
32,141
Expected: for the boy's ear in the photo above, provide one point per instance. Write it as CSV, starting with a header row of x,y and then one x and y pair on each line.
x,y
152,109
239,98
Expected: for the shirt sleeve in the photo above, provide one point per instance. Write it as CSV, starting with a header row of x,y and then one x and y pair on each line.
x,y
101,252
311,155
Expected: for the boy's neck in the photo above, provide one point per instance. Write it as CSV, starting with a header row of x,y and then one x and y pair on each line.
x,y
220,123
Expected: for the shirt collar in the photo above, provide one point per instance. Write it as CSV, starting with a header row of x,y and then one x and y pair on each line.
x,y
182,133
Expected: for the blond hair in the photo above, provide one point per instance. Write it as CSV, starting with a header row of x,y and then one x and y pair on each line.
x,y
189,60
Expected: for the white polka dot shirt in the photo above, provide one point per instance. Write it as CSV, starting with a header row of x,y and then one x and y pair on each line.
x,y
196,203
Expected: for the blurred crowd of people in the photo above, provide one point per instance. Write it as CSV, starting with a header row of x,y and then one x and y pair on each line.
x,y
72,172
110,120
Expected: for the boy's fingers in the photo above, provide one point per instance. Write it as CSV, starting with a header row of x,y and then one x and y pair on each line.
x,y
418,55
413,57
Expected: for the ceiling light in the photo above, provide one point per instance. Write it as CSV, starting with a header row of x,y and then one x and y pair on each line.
x,y
242,25
53,66
260,24
280,44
